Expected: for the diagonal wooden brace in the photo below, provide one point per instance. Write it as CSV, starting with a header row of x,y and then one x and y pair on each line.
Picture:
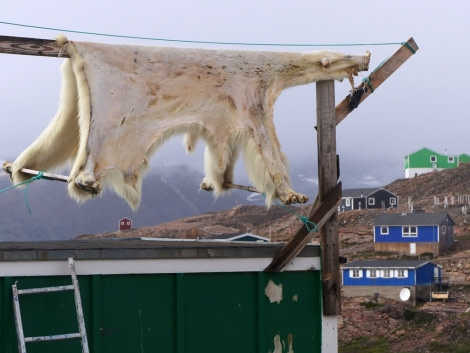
x,y
320,212
377,77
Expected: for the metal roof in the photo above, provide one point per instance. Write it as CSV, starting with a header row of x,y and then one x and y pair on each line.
x,y
386,263
136,248
361,192
411,219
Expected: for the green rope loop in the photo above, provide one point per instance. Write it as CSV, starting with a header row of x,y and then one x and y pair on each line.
x,y
367,82
406,44
311,226
27,182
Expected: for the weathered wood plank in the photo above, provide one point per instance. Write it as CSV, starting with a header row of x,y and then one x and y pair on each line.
x,y
376,78
320,212
30,46
327,180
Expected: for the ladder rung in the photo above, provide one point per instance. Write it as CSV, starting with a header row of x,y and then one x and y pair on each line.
x,y
45,289
65,336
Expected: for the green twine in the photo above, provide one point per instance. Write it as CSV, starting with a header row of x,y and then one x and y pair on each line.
x,y
311,226
27,182
199,41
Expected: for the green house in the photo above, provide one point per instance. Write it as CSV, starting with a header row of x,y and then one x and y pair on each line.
x,y
426,160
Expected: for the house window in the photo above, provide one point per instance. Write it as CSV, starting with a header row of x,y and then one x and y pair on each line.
x,y
433,159
444,229
393,201
401,273
410,231
371,201
387,273
372,273
356,273
383,230
450,160
348,202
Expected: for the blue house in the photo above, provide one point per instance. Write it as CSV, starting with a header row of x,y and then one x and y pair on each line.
x,y
388,278
413,233
367,198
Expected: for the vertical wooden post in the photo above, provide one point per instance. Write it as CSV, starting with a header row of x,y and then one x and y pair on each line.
x,y
327,180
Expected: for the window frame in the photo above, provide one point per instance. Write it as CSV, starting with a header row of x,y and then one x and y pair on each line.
x,y
384,230
402,273
407,232
355,273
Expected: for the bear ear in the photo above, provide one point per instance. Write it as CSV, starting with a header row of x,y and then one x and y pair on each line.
x,y
61,40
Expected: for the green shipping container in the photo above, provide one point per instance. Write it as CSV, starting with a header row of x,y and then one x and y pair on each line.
x,y
142,296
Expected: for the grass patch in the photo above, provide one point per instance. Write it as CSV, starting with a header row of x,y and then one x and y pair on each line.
x,y
418,317
365,344
348,243
436,347
463,237
371,305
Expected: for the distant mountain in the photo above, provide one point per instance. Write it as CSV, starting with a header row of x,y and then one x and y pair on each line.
x,y
168,193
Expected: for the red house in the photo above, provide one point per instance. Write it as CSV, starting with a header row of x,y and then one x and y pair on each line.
x,y
125,224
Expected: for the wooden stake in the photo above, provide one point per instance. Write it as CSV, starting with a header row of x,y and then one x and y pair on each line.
x,y
241,187
47,176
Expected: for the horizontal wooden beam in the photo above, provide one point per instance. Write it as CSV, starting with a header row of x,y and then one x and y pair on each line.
x,y
320,212
30,46
375,79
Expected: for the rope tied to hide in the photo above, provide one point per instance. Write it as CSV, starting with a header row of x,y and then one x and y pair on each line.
x,y
27,182
311,226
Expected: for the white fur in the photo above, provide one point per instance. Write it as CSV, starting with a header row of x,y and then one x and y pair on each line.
x,y
120,103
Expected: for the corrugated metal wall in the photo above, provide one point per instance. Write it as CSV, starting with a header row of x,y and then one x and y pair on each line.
x,y
195,312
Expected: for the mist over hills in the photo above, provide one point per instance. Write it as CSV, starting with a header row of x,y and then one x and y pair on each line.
x,y
168,193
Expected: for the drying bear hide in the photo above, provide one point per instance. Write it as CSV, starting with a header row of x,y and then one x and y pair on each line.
x,y
119,103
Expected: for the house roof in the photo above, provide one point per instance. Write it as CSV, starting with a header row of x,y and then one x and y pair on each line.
x,y
238,236
386,263
361,192
415,219
424,149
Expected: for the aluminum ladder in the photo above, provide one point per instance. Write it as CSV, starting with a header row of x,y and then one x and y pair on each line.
x,y
22,340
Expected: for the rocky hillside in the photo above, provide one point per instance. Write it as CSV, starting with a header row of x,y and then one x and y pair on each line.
x,y
427,192
367,325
